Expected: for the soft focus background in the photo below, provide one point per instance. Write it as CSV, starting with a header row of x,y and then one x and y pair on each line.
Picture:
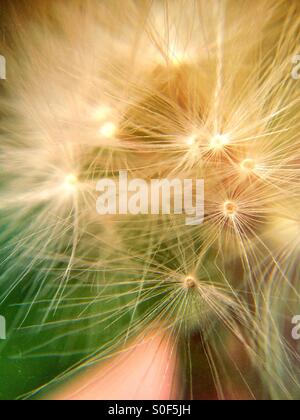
x,y
146,307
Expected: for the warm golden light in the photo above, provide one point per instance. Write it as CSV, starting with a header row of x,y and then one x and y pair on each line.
x,y
101,113
248,165
230,208
70,183
219,141
150,195
191,140
192,145
108,130
286,230
176,57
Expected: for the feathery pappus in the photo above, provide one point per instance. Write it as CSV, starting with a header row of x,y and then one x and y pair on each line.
x,y
161,89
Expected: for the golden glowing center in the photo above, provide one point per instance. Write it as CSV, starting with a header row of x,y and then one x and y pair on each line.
x,y
108,130
190,282
70,182
192,144
191,140
230,208
248,165
219,141
176,57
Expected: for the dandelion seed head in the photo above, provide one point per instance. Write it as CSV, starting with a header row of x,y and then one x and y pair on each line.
x,y
190,283
172,69
230,209
248,165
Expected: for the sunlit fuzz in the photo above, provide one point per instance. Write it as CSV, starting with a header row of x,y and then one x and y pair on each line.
x,y
192,155
189,302
230,208
199,302
248,165
285,232
70,183
176,56
243,204
162,89
191,140
219,141
236,216
172,42
105,120
101,113
108,130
